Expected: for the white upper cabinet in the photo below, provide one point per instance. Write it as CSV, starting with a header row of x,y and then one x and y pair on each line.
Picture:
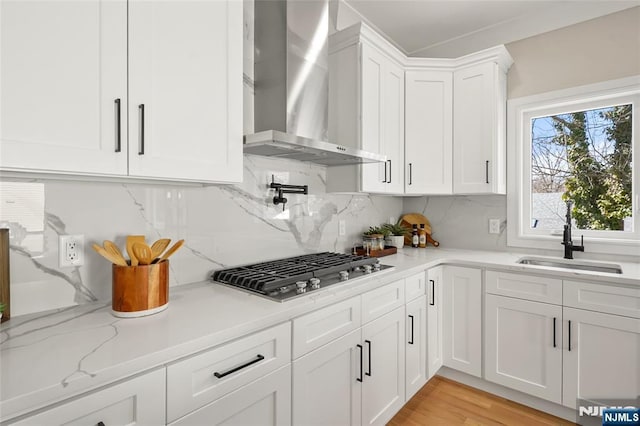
x,y
479,129
185,80
428,132
66,69
366,110
63,87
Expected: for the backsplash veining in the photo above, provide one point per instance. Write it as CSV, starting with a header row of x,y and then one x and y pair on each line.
x,y
222,225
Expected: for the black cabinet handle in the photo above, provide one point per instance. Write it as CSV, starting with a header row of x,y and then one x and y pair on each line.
x,y
410,173
486,171
385,173
411,341
569,335
368,342
361,368
554,332
141,116
258,358
389,181
433,293
118,125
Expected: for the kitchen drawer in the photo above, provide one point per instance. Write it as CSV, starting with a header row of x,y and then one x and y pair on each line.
x,y
414,286
523,286
325,325
605,298
382,300
138,401
192,383
264,402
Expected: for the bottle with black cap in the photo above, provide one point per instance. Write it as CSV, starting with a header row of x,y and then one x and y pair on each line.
x,y
415,239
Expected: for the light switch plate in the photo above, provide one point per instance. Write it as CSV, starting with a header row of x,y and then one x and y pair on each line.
x,y
494,226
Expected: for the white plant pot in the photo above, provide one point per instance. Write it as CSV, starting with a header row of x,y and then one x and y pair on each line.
x,y
395,241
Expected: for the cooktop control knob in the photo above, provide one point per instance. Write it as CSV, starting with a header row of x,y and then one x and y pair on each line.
x,y
315,283
367,269
301,286
283,289
376,266
344,275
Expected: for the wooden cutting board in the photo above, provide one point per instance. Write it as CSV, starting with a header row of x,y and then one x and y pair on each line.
x,y
409,219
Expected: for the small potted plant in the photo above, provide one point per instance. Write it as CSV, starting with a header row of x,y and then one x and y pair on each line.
x,y
2,307
396,233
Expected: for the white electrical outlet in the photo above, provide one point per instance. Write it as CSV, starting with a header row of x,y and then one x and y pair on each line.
x,y
494,226
71,250
342,228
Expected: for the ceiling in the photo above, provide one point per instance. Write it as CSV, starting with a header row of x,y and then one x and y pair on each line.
x,y
452,28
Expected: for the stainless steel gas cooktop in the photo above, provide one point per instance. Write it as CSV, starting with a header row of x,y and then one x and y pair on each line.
x,y
292,277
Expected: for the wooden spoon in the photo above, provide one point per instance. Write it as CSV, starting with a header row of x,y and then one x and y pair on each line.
x,y
110,247
172,250
159,246
142,252
130,240
110,257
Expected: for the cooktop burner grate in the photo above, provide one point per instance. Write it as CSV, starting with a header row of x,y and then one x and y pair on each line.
x,y
268,276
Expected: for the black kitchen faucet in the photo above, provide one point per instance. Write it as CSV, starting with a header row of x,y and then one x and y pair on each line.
x,y
569,247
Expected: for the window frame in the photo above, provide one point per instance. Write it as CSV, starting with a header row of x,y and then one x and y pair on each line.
x,y
520,111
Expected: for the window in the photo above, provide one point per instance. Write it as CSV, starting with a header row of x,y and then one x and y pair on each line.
x,y
576,145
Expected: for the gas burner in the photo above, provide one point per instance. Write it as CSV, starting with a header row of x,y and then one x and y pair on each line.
x,y
283,279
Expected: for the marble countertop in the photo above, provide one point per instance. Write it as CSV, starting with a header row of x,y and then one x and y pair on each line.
x,y
48,357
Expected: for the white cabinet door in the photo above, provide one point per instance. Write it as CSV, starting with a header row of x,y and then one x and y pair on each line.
x,y
185,90
382,121
462,325
267,401
428,132
434,320
139,401
64,73
601,357
416,346
479,149
523,344
384,362
327,383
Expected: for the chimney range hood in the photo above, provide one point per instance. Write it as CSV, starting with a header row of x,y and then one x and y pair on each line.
x,y
292,86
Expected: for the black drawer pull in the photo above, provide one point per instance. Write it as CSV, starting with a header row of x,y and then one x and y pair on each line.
x,y
141,135
433,293
240,367
411,341
554,332
118,133
569,335
361,368
368,342
486,171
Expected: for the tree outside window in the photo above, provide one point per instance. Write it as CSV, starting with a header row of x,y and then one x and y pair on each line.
x,y
583,156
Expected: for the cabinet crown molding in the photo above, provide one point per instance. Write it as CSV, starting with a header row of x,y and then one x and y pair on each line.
x,y
362,32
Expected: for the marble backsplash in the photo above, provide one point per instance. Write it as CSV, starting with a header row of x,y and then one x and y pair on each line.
x,y
222,225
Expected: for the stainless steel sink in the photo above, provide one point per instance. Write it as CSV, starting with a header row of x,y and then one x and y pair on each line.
x,y
610,268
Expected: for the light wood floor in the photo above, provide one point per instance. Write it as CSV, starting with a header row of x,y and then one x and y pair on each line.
x,y
445,402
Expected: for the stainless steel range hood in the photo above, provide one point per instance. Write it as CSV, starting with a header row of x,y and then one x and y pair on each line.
x,y
292,85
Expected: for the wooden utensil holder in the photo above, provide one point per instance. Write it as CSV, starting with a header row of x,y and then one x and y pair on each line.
x,y
140,290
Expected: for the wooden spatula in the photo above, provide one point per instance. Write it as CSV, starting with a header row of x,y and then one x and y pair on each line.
x,y
142,252
130,240
159,246
110,247
172,250
110,257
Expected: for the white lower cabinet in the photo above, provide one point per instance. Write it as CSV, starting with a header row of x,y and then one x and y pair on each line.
x,y
138,401
434,320
327,383
266,401
523,346
416,346
462,319
383,382
601,358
